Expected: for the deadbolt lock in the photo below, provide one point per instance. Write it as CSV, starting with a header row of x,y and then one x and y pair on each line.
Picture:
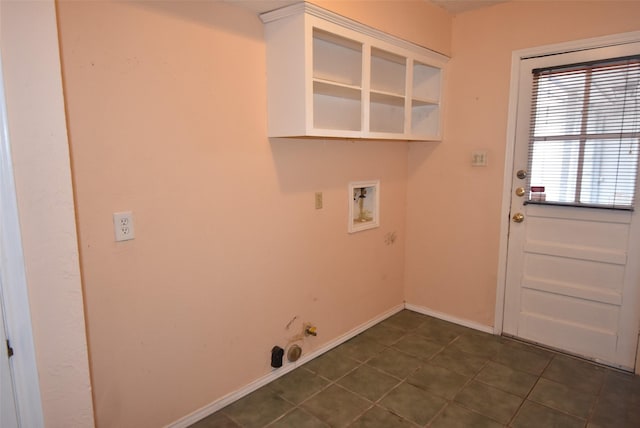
x,y
518,217
521,174
520,191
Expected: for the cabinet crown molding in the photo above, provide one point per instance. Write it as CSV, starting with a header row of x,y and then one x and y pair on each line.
x,y
327,15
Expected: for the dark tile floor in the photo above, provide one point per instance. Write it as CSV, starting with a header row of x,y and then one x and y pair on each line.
x,y
413,370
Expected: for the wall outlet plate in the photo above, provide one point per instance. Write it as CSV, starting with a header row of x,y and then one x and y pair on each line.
x,y
123,226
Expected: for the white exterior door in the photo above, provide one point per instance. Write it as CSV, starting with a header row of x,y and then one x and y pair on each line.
x,y
8,413
572,274
20,403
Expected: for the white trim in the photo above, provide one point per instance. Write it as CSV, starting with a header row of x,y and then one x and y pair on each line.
x,y
506,195
578,45
516,58
15,299
213,407
460,321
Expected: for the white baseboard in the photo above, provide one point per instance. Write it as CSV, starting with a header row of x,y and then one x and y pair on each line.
x,y
463,322
213,407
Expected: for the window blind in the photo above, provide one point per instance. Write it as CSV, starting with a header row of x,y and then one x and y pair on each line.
x,y
585,134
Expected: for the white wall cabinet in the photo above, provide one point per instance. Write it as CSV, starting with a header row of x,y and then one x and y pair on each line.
x,y
329,76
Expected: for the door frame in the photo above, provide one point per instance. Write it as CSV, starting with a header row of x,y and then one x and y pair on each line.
x,y
14,296
516,59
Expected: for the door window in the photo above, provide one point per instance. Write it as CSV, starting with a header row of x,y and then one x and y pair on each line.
x,y
585,134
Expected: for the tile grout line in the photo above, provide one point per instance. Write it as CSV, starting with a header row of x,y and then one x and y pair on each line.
x,y
424,361
592,408
467,383
517,412
387,347
335,382
561,411
405,332
451,400
332,382
397,385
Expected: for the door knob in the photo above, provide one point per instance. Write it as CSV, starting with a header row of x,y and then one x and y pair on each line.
x,y
520,191
518,217
521,174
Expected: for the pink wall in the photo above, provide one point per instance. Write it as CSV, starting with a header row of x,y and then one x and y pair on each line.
x,y
453,209
166,105
167,117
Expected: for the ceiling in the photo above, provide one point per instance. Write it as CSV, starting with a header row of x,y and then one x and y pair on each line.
x,y
457,6
452,6
260,6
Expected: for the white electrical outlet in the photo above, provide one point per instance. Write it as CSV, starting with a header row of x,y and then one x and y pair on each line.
x,y
123,226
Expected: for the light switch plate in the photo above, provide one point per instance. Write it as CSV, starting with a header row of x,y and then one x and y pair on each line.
x,y
318,200
479,158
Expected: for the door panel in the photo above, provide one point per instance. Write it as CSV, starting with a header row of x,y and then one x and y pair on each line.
x,y
572,272
577,339
575,278
577,233
571,309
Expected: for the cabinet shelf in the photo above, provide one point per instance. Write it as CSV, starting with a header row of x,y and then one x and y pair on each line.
x,y
336,89
424,102
387,98
329,76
